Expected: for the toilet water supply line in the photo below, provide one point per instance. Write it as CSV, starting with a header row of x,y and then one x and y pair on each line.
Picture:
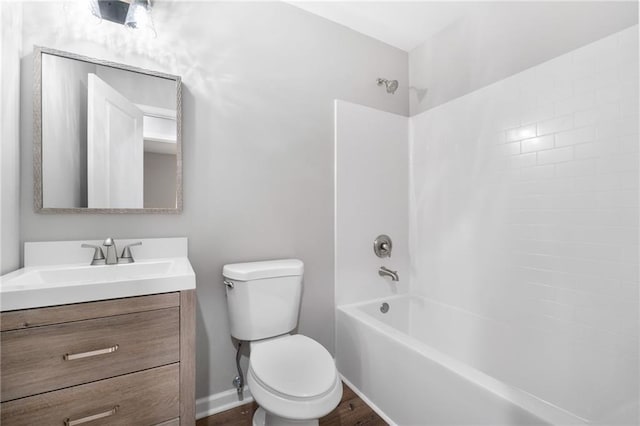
x,y
238,381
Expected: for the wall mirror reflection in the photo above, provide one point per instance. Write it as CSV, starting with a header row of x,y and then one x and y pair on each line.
x,y
107,136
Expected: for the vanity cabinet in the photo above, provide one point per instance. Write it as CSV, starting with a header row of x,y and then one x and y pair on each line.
x,y
123,361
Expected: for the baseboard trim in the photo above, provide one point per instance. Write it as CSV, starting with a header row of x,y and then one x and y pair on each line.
x,y
222,401
367,401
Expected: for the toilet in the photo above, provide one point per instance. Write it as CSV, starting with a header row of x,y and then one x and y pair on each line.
x,y
292,377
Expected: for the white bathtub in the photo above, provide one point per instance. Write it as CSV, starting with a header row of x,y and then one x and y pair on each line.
x,y
409,362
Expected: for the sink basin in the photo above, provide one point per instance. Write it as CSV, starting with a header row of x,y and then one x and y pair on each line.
x,y
61,284
48,285
89,274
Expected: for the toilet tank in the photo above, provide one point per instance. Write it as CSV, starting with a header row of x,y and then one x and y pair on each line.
x,y
263,298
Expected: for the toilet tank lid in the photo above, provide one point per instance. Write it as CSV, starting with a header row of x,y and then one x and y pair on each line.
x,y
265,269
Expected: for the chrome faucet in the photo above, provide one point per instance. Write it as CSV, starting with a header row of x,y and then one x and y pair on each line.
x,y
385,272
126,256
98,255
112,253
112,257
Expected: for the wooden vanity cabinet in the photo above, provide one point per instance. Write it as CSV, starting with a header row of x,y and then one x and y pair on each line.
x,y
124,361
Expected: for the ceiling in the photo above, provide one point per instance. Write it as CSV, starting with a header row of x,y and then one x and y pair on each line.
x,y
401,24
407,24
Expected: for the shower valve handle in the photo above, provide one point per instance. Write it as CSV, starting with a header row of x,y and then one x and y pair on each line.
x,y
382,246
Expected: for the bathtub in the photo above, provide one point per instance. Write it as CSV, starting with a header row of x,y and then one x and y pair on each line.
x,y
409,363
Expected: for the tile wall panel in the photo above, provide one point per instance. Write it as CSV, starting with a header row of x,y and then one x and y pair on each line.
x,y
524,210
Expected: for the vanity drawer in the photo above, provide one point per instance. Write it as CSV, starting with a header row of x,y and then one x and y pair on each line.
x,y
42,359
147,397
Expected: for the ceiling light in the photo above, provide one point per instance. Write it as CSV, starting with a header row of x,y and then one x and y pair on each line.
x,y
139,16
134,14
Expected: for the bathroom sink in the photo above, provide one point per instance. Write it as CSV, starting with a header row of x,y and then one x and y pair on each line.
x,y
89,274
48,285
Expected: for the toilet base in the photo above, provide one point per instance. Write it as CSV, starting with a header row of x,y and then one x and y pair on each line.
x,y
263,418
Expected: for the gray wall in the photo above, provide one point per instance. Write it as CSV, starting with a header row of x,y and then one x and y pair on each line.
x,y
499,39
10,46
259,83
159,180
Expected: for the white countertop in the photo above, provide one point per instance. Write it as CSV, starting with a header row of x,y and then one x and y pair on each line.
x,y
53,275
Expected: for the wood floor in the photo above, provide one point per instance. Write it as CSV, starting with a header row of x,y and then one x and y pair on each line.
x,y
352,411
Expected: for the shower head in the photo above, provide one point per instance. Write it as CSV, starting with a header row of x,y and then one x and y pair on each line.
x,y
391,85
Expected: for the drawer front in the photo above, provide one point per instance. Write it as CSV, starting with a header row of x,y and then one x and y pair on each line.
x,y
37,317
52,357
147,397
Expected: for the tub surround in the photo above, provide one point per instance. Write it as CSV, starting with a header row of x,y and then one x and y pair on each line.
x,y
523,213
524,201
371,198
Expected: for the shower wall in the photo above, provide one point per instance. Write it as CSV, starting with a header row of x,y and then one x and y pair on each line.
x,y
371,181
524,210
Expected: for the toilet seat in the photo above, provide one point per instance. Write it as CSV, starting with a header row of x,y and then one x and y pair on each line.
x,y
293,366
293,377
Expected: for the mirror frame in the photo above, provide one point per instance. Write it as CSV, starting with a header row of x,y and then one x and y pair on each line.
x,y
38,51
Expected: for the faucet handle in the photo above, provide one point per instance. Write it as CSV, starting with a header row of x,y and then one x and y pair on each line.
x,y
126,253
98,254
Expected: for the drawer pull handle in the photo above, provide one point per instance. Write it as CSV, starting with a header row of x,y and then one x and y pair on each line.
x,y
91,418
71,357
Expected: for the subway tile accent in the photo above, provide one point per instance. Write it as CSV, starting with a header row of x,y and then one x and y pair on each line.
x,y
537,226
538,144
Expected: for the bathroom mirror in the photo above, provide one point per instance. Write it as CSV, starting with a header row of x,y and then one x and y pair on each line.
x,y
107,137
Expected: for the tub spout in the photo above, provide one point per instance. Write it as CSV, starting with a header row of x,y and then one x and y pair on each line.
x,y
385,272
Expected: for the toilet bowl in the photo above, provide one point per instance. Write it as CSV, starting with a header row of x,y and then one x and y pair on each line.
x,y
293,378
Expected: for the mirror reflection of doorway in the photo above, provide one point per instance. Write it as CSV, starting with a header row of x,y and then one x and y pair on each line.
x,y
115,144
123,168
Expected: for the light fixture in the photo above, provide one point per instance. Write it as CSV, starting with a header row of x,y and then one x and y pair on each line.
x,y
134,14
139,16
94,7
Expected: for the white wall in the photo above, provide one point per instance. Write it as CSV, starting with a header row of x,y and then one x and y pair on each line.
x,y
259,84
524,208
140,88
10,47
371,184
493,40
